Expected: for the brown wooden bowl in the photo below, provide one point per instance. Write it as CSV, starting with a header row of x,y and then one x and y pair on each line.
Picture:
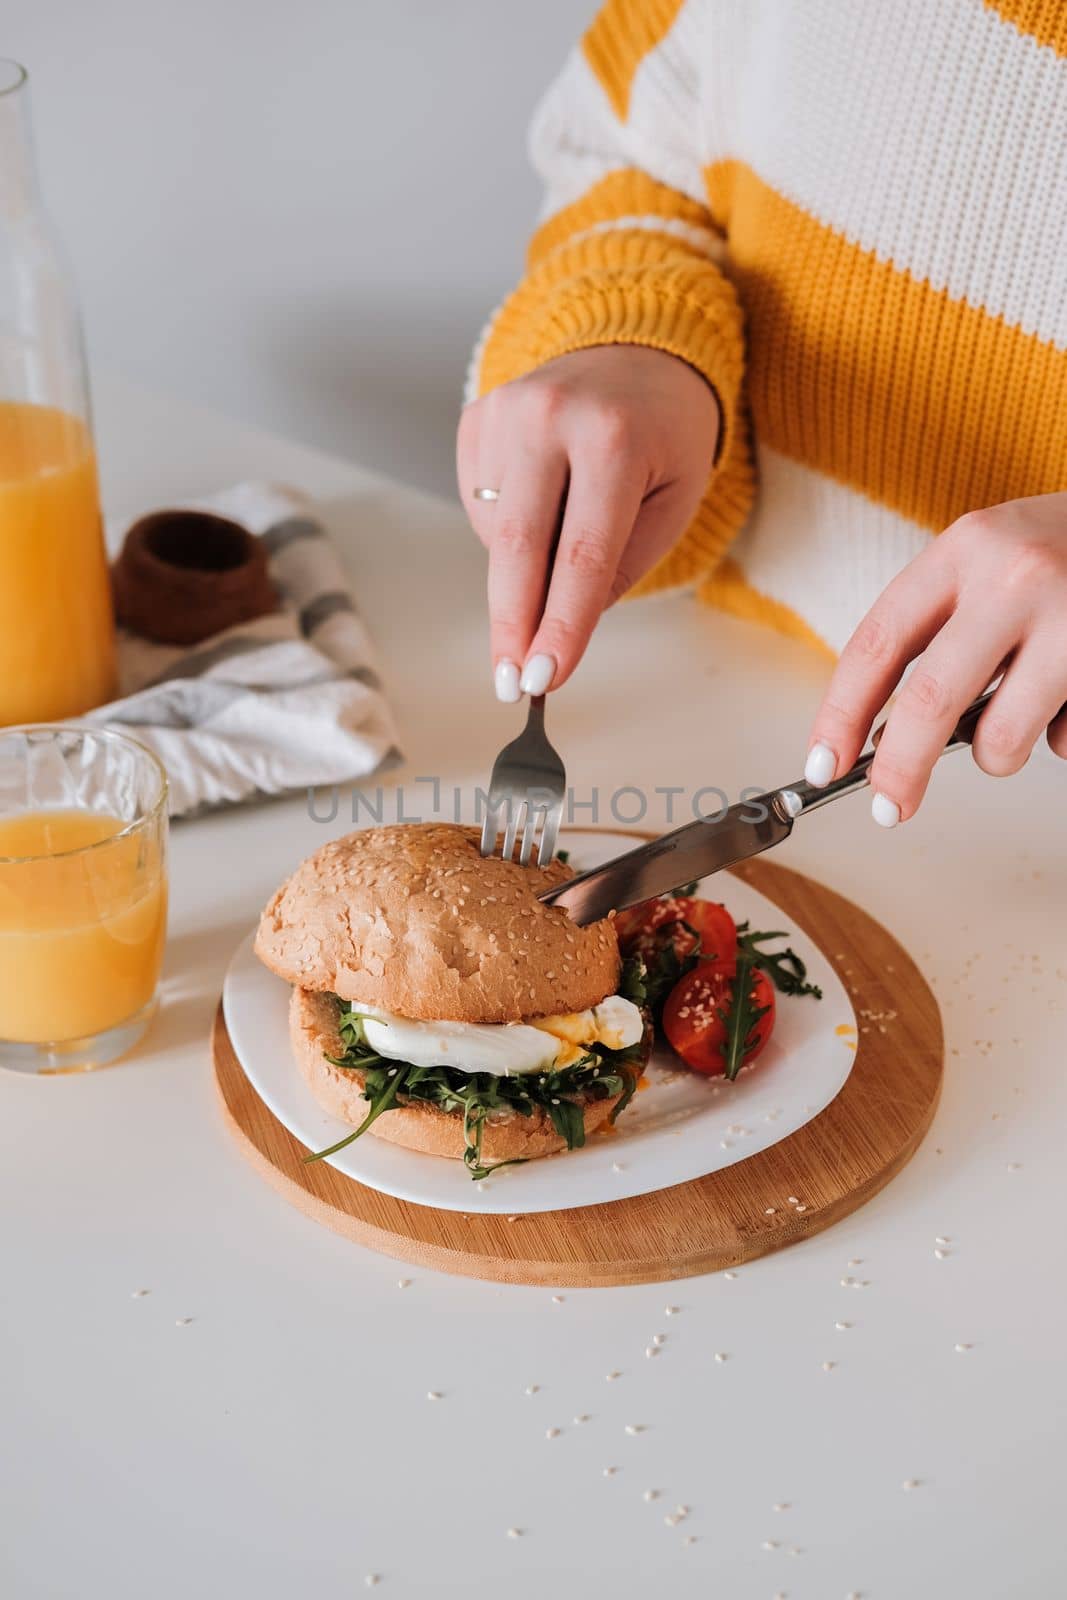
x,y
183,576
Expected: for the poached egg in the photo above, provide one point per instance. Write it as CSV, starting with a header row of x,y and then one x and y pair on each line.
x,y
545,1044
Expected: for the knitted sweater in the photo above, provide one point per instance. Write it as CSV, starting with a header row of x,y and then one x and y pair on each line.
x,y
851,217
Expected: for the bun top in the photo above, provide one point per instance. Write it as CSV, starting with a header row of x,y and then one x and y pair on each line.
x,y
414,920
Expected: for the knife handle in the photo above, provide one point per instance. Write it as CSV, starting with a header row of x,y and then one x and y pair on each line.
x,y
799,797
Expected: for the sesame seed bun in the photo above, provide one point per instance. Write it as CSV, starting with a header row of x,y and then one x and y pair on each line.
x,y
412,919
313,1019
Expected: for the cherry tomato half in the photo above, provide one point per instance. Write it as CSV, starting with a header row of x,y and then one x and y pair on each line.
x,y
691,1018
641,928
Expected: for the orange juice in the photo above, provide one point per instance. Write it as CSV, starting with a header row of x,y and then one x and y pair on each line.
x,y
57,636
81,930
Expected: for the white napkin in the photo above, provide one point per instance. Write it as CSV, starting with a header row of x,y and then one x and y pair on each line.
x,y
285,702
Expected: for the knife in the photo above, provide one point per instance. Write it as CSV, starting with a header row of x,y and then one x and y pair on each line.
x,y
711,843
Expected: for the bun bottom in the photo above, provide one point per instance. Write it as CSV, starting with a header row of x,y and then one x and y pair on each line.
x,y
338,1090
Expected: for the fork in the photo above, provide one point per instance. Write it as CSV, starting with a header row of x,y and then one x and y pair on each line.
x,y
528,778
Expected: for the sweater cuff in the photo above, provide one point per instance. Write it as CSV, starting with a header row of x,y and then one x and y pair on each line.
x,y
687,309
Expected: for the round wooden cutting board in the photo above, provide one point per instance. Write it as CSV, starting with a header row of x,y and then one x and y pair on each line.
x,y
835,1162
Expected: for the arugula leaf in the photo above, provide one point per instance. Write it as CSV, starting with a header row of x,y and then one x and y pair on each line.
x,y
741,1017
568,1120
474,1125
350,1065
784,967
666,966
563,855
632,985
631,1078
380,1100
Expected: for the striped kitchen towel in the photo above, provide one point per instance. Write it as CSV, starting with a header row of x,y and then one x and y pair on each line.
x,y
286,702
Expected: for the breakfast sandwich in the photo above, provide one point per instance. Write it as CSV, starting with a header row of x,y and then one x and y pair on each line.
x,y
439,1004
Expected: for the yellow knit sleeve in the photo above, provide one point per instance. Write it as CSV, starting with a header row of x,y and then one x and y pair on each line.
x,y
630,262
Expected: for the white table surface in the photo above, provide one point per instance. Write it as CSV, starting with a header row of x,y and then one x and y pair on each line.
x,y
282,1441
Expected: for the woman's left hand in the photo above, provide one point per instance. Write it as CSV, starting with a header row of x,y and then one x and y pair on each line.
x,y
988,596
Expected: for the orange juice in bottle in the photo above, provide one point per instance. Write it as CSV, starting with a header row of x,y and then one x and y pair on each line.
x,y
57,638
57,648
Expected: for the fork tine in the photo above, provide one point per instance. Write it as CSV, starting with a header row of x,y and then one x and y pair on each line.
x,y
533,811
513,805
550,834
489,830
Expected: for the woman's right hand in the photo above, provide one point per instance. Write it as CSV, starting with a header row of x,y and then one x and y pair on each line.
x,y
610,449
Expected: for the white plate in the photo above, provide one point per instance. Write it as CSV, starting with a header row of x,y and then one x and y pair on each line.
x,y
681,1127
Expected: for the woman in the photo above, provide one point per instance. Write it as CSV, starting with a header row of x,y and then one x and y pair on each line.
x,y
798,303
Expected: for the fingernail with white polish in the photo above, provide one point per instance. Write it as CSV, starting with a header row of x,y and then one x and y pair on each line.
x,y
537,674
506,682
885,812
820,765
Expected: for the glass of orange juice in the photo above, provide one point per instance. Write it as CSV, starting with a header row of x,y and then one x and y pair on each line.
x,y
83,895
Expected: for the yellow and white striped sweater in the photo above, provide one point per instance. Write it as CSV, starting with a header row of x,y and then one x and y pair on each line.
x,y
851,217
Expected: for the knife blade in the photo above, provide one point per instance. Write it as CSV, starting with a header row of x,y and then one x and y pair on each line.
x,y
710,843
693,851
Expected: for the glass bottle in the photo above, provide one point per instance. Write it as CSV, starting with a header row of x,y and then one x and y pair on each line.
x,y
57,635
